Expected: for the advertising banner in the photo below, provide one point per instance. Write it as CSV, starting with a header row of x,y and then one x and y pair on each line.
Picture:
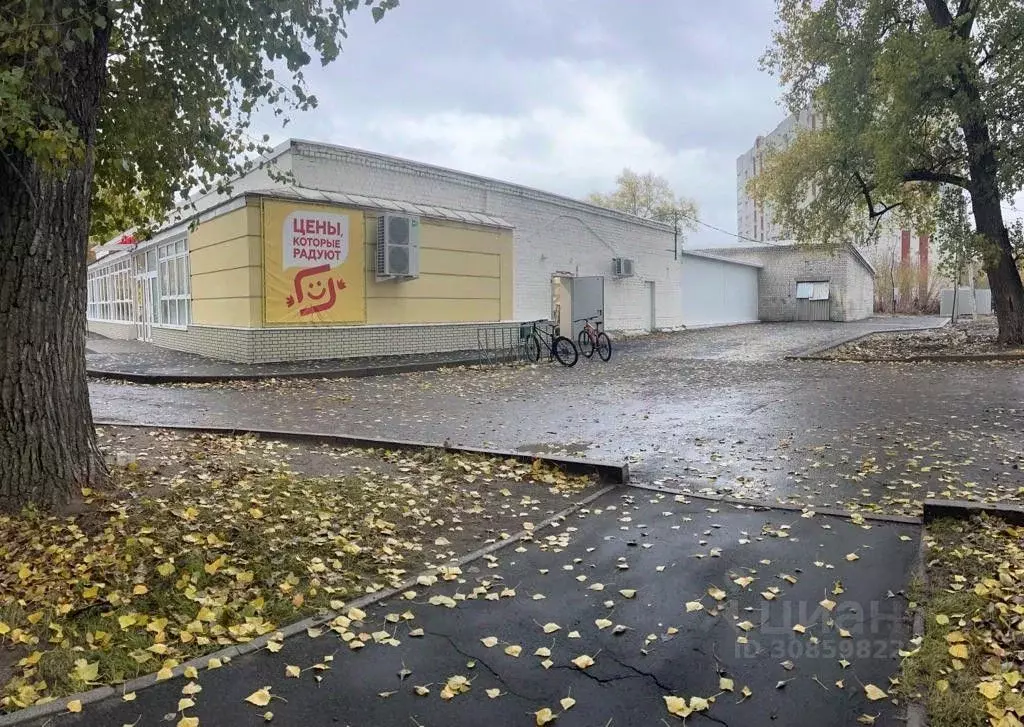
x,y
313,264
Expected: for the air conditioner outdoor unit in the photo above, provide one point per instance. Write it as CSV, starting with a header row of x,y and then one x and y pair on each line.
x,y
398,247
622,267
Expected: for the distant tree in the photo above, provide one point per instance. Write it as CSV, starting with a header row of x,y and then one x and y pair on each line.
x,y
915,94
110,111
649,196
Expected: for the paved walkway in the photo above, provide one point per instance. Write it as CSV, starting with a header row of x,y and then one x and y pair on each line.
x,y
650,556
144,362
714,411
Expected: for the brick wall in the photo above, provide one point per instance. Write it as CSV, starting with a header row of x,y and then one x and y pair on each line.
x,y
860,301
227,344
120,331
265,345
552,233
851,285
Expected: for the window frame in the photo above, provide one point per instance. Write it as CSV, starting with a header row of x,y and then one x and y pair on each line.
x,y
173,285
109,292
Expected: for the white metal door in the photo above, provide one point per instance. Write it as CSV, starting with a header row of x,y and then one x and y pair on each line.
x,y
587,302
653,321
148,308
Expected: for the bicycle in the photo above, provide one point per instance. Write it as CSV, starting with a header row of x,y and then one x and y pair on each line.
x,y
557,346
592,338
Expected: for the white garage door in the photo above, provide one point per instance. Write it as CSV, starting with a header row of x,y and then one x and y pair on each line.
x,y
718,292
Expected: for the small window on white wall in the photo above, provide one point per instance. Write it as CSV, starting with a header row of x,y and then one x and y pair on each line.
x,y
818,290
821,291
173,282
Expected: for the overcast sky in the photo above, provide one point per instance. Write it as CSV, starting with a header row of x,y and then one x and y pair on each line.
x,y
557,94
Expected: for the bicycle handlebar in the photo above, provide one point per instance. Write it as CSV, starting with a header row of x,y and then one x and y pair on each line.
x,y
590,318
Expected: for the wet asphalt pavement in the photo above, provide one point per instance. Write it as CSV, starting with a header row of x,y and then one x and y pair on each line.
x,y
714,412
670,553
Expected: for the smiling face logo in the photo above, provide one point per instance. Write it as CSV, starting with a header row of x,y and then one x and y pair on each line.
x,y
316,285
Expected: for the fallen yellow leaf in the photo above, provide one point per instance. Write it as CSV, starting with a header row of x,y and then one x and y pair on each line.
x,y
990,690
677,707
874,693
261,697
959,651
583,661
544,716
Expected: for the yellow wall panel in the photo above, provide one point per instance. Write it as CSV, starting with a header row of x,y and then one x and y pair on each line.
x,y
430,310
452,236
435,286
452,262
238,282
239,223
225,311
465,276
224,256
507,276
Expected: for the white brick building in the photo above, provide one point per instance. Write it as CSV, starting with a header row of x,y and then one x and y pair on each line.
x,y
756,222
800,283
214,279
552,234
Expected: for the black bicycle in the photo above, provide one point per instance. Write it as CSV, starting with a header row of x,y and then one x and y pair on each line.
x,y
592,338
557,346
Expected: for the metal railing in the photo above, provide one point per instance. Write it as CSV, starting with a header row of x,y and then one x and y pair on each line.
x,y
502,344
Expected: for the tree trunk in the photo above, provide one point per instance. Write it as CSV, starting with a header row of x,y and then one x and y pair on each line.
x,y
1003,276
1005,284
47,440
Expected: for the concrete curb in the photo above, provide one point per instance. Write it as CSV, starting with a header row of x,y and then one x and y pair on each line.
x,y
936,358
350,373
814,353
917,712
606,472
59,706
760,505
965,509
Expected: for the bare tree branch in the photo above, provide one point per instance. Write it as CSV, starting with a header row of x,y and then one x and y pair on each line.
x,y
928,175
873,212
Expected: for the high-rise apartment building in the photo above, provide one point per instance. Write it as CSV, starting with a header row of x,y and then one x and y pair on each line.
x,y
891,247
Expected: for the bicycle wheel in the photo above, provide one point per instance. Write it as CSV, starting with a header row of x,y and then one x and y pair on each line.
x,y
533,348
585,345
565,351
604,346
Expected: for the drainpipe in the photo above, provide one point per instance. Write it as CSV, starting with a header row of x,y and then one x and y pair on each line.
x,y
675,235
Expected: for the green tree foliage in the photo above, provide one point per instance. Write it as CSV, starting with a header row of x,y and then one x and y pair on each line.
x,y
954,234
112,111
915,95
182,81
649,196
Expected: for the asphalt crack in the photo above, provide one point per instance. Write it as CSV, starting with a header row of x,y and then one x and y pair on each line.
x,y
641,673
485,665
637,674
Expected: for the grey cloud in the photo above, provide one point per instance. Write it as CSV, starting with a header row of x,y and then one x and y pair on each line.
x,y
699,87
